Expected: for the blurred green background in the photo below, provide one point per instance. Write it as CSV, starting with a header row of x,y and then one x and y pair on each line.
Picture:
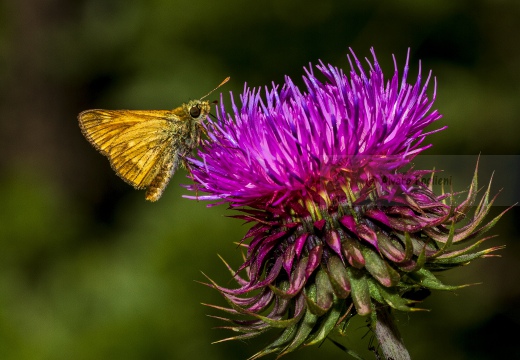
x,y
89,270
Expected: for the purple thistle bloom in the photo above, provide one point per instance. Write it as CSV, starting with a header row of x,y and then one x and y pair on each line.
x,y
338,226
294,140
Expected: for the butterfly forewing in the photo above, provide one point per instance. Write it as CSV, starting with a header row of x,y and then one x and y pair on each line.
x,y
137,143
140,161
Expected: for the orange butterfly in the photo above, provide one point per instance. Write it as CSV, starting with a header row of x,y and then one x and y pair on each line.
x,y
146,147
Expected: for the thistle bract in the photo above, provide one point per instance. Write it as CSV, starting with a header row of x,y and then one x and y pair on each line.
x,y
340,224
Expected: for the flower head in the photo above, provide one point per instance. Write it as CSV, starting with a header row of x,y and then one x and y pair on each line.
x,y
339,227
277,149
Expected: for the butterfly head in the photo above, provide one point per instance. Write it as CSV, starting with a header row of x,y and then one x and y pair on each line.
x,y
198,109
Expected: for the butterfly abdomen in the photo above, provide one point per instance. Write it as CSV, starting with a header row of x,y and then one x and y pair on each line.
x,y
159,183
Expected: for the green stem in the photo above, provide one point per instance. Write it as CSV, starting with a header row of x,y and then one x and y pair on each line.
x,y
390,341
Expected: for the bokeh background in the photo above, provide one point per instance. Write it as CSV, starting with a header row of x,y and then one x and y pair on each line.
x,y
89,270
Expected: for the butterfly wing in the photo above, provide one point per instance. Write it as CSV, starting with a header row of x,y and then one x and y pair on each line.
x,y
137,143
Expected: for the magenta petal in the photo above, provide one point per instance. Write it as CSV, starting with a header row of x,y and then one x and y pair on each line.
x,y
334,241
348,222
288,258
367,234
298,277
300,242
378,215
320,224
314,260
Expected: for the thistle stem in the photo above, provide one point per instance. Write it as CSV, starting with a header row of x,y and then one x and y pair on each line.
x,y
388,335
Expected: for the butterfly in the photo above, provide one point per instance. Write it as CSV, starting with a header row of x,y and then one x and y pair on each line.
x,y
146,147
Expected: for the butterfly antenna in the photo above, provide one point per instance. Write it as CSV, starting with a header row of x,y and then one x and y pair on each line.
x,y
222,83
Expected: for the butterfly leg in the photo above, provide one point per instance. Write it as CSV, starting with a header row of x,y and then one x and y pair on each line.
x,y
190,174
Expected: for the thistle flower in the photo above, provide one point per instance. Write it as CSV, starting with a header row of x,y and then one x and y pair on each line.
x,y
339,225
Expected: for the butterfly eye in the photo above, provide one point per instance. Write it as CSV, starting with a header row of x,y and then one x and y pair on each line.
x,y
195,112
